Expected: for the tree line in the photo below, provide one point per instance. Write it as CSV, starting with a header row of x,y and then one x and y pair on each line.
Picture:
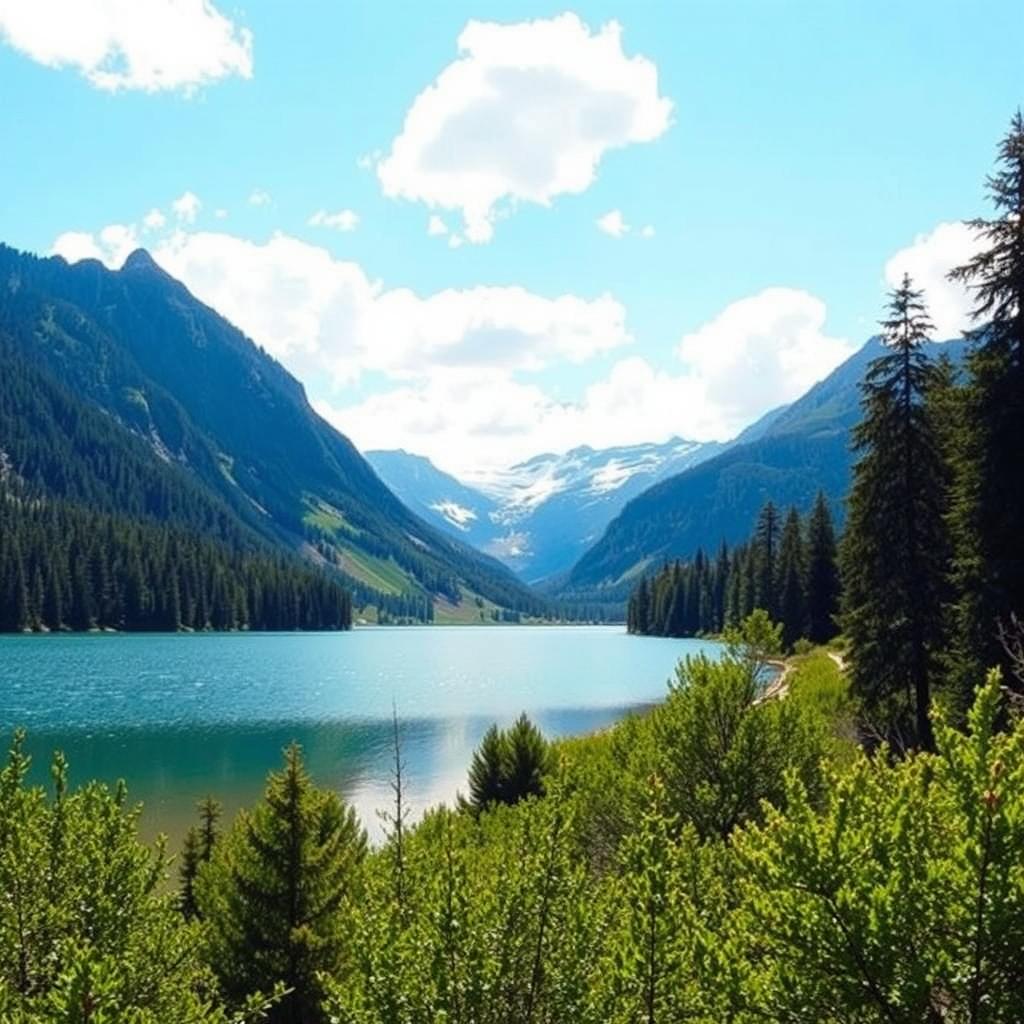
x,y
65,567
789,568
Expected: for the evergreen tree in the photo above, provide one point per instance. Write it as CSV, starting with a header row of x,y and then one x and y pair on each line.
x,y
988,506
209,833
527,761
274,893
765,567
508,766
895,549
487,770
792,607
822,573
188,872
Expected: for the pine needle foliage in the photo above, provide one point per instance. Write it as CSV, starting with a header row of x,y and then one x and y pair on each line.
x,y
275,894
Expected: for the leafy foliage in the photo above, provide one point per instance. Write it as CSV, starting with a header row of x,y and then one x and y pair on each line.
x,y
89,933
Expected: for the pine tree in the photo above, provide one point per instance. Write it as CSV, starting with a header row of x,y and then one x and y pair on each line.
x,y
209,833
274,892
527,761
822,573
988,506
188,872
508,766
792,607
895,549
487,770
765,567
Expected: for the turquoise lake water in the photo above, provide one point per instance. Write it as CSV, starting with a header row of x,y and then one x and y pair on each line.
x,y
180,716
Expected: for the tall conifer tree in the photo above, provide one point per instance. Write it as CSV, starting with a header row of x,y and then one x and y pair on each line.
x,y
766,558
274,891
822,573
792,607
894,553
988,509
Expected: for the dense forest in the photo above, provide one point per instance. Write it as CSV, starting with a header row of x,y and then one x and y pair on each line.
x,y
788,568
846,852
64,567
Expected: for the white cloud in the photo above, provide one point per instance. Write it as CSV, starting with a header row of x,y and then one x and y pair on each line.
x,y
130,44
154,220
343,220
436,226
524,114
612,223
77,245
220,213
647,231
186,207
259,197
928,260
758,353
112,245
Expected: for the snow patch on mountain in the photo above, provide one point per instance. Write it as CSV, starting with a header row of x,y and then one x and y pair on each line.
x,y
458,515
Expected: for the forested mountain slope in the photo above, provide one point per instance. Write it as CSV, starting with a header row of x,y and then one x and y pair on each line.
x,y
126,393
803,449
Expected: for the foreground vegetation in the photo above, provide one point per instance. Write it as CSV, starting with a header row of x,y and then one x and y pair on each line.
x,y
722,858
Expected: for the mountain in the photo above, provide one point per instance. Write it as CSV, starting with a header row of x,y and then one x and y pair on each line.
x,y
540,515
786,457
126,393
440,499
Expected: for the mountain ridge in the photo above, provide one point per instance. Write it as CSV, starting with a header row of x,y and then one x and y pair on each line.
x,y
802,448
218,410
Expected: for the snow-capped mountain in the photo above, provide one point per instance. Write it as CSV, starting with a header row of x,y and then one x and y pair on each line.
x,y
540,515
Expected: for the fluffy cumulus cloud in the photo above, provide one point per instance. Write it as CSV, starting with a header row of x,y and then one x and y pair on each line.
x,y
758,353
150,45
343,220
259,197
928,260
112,245
524,114
154,220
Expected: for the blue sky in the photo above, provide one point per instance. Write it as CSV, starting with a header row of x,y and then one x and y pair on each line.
x,y
784,158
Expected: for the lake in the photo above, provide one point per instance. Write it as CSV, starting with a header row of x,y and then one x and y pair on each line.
x,y
179,716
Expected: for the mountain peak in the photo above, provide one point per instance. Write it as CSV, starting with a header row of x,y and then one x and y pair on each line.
x,y
139,260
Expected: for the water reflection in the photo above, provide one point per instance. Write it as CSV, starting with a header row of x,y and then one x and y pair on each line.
x,y
169,770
